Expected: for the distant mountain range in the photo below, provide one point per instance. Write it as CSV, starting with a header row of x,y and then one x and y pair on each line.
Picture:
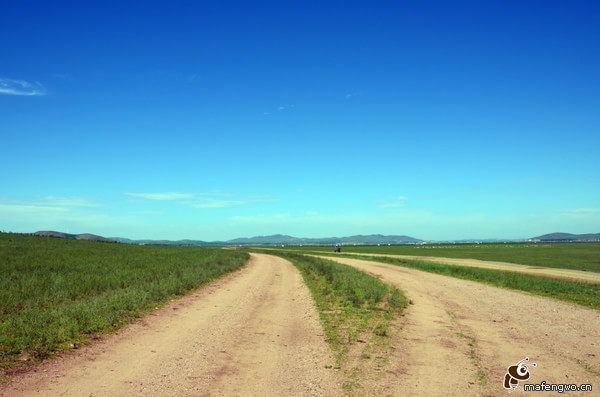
x,y
567,237
359,239
279,239
276,239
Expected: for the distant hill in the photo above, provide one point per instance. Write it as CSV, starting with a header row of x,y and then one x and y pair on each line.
x,y
50,233
568,237
381,239
84,236
161,242
359,239
276,239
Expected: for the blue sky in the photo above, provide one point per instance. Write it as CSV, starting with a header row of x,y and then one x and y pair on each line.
x,y
217,120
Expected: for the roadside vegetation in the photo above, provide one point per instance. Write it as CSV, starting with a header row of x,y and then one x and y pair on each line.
x,y
577,256
358,311
582,293
56,294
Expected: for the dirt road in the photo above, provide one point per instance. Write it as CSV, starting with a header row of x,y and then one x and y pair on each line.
x,y
568,274
458,333
255,332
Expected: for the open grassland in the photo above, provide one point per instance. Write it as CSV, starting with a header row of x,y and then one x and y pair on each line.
x,y
356,311
577,256
58,293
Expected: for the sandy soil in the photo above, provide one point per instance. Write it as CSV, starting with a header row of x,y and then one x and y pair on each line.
x,y
568,274
455,328
255,332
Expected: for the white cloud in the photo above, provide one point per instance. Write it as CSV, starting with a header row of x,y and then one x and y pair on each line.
x,y
215,199
28,214
393,202
47,202
279,109
21,87
69,202
580,211
32,209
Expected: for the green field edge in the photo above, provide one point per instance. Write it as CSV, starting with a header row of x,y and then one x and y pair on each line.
x,y
580,293
11,364
39,319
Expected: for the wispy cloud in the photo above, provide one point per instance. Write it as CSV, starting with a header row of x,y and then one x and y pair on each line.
x,y
393,202
279,109
25,208
69,201
49,202
45,212
353,95
214,199
579,212
21,87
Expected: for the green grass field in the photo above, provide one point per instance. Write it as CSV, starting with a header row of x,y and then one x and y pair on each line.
x,y
578,256
58,293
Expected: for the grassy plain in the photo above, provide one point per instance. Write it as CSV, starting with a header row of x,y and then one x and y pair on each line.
x,y
58,293
577,256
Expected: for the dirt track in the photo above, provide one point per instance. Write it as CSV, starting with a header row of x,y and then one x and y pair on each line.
x,y
568,274
454,328
255,332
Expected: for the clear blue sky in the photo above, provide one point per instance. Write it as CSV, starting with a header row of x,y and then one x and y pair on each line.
x,y
216,120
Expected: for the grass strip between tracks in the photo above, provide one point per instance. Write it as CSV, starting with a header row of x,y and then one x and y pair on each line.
x,y
576,256
56,294
357,312
581,293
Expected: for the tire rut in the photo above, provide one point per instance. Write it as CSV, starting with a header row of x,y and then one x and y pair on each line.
x,y
457,328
